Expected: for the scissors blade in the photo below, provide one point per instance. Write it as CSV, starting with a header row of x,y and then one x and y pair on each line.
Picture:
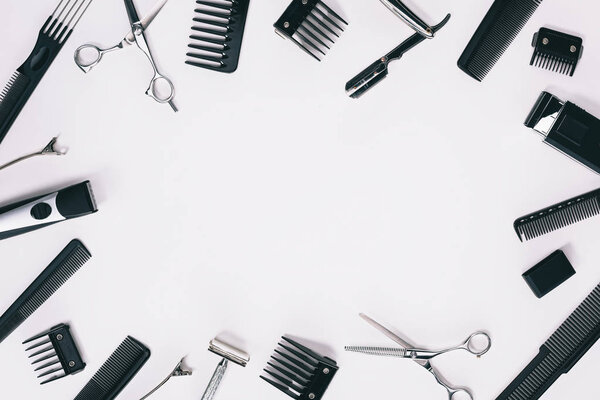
x,y
394,337
147,20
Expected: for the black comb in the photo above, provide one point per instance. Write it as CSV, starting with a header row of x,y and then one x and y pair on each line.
x,y
217,34
49,281
120,368
501,25
311,24
300,372
51,38
560,353
558,216
556,51
60,356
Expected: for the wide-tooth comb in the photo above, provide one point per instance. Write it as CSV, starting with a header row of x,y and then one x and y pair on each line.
x,y
60,356
217,34
68,261
312,25
558,216
123,364
499,28
300,372
51,38
556,51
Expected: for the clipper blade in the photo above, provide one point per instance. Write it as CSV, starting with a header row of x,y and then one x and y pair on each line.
x,y
556,51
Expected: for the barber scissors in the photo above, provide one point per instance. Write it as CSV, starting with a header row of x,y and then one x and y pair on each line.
x,y
478,344
87,56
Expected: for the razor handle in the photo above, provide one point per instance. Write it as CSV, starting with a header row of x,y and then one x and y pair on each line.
x,y
28,76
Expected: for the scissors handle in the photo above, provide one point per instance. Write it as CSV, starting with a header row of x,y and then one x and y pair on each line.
x,y
94,55
453,393
470,345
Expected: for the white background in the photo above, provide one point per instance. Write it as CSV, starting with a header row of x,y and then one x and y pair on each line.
x,y
273,204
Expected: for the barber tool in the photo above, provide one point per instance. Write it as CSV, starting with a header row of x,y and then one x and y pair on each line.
x,y
51,39
217,34
161,88
177,371
560,353
499,28
549,274
50,149
229,353
568,128
311,24
477,344
558,216
61,351
375,72
556,51
63,267
120,368
41,211
300,372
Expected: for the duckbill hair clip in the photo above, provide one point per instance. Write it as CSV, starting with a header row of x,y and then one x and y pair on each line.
x,y
50,150
375,72
179,370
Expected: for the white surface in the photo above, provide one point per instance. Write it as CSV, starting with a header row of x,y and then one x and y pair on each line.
x,y
273,204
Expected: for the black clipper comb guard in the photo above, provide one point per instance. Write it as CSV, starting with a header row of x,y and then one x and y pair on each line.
x,y
556,51
69,261
116,372
499,28
558,216
568,128
41,211
300,372
61,351
217,34
560,353
312,25
51,39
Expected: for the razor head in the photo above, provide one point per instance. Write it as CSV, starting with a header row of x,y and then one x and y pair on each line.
x,y
558,216
311,25
58,355
556,51
229,352
368,78
299,372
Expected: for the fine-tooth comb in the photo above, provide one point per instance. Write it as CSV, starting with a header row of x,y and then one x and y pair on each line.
x,y
311,24
300,372
556,51
116,372
560,353
499,28
61,350
52,37
217,34
69,261
558,216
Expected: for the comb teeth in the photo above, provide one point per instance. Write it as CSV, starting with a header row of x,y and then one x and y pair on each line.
x,y
61,356
123,364
556,51
298,371
64,19
217,34
499,28
311,25
68,261
558,216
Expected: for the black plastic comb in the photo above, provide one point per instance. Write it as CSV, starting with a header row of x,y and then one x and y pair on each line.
x,y
69,261
60,357
120,368
499,28
52,37
300,372
560,353
312,25
558,216
217,34
556,51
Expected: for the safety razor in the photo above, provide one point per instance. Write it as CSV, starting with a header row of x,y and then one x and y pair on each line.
x,y
228,353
